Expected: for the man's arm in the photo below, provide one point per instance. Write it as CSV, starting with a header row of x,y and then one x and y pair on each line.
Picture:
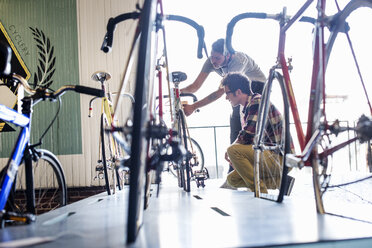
x,y
190,108
246,135
196,84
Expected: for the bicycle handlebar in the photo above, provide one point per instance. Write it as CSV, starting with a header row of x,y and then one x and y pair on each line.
x,y
278,17
199,30
111,25
194,98
43,93
88,90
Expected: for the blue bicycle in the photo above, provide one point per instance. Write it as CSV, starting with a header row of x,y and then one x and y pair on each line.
x,y
33,181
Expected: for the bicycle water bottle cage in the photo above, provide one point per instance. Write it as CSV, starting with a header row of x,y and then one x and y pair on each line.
x,y
5,57
178,76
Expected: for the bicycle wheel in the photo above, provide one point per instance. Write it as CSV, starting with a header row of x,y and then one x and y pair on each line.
x,y
144,78
48,189
349,41
198,172
185,166
197,161
270,175
107,157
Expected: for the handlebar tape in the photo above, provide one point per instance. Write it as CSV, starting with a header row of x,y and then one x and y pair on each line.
x,y
89,91
111,25
231,25
199,29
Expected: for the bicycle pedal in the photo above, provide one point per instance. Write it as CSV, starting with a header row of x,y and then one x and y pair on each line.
x,y
201,175
18,218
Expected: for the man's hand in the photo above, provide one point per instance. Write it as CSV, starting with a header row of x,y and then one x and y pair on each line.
x,y
188,109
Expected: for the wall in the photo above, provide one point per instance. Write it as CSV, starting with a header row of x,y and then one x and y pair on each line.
x,y
75,29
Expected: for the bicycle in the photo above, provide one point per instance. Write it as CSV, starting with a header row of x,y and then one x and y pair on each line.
x,y
143,133
316,147
192,168
33,181
110,153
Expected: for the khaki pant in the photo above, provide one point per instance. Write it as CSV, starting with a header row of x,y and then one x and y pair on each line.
x,y
242,158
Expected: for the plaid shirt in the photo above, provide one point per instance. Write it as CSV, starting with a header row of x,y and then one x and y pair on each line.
x,y
250,111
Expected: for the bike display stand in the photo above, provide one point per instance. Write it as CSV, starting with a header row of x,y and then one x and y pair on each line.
x,y
208,217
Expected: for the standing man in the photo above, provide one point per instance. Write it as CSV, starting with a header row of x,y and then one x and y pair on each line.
x,y
222,64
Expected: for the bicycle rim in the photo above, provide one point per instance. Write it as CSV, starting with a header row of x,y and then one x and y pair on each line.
x,y
49,186
270,171
107,157
351,162
197,162
198,172
140,119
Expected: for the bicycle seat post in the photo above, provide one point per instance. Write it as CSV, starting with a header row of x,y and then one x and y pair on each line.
x,y
101,76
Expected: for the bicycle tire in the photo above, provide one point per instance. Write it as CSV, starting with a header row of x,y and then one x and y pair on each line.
x,y
269,155
199,163
140,120
175,171
179,167
185,163
198,172
321,171
48,190
107,157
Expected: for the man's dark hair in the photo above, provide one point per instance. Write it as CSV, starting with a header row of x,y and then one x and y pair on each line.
x,y
237,81
218,46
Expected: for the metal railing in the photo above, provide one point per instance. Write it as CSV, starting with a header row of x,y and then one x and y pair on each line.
x,y
353,153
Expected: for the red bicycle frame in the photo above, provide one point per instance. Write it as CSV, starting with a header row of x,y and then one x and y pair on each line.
x,y
317,88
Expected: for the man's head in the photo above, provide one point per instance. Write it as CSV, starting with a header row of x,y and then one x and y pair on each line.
x,y
237,88
218,58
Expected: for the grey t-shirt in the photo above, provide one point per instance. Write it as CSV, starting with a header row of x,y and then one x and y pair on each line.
x,y
240,62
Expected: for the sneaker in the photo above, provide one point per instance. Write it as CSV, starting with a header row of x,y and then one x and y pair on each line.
x,y
289,186
225,185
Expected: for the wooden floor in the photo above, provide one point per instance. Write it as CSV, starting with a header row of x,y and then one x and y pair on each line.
x,y
209,217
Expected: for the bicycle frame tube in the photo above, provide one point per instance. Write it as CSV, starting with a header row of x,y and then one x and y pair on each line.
x,y
160,75
317,80
107,110
291,96
12,116
128,68
287,80
14,161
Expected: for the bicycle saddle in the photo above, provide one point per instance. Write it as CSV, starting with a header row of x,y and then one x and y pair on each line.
x,y
5,57
101,76
178,76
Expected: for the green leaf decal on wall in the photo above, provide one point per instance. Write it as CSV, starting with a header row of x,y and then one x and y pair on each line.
x,y
47,60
